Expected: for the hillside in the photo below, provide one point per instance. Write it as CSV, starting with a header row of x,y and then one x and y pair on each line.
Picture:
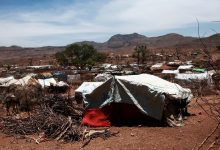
x,y
117,43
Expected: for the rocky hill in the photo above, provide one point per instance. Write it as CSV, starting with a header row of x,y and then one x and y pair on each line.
x,y
118,42
129,41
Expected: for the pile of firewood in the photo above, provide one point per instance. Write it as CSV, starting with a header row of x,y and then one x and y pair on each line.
x,y
57,118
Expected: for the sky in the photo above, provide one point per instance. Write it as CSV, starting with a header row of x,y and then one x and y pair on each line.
x,y
34,23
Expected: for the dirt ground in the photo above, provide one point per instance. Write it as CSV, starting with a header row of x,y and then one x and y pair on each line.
x,y
197,127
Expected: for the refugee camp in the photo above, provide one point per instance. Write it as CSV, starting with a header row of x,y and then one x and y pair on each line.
x,y
109,75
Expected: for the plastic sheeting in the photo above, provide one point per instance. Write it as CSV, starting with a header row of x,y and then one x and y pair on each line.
x,y
73,78
170,71
23,81
88,87
61,83
40,67
146,91
5,80
51,81
185,67
156,66
193,76
106,66
102,77
47,82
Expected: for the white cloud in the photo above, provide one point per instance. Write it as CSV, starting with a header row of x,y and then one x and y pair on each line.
x,y
98,18
151,15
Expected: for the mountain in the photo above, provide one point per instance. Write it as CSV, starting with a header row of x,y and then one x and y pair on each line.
x,y
118,42
129,41
169,40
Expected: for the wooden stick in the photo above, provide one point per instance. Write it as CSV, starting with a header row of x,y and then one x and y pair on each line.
x,y
62,133
36,140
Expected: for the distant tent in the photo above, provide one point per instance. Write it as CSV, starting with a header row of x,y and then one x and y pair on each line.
x,y
47,82
102,77
156,66
133,97
170,71
23,81
5,80
193,76
40,67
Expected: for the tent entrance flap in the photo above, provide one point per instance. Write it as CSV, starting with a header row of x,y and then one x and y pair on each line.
x,y
115,114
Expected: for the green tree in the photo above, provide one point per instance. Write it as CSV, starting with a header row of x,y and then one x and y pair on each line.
x,y
61,59
140,52
80,55
101,57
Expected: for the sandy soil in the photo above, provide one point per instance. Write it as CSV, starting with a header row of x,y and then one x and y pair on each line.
x,y
197,128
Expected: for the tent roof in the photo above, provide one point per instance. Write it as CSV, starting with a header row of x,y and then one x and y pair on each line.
x,y
23,81
40,67
7,79
146,91
185,67
155,83
47,82
192,76
88,87
170,71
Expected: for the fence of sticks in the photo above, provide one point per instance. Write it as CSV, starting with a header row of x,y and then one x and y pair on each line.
x,y
56,118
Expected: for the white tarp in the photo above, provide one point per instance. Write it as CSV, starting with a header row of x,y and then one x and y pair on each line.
x,y
193,76
170,71
88,87
175,63
146,91
185,67
5,80
156,66
102,77
189,62
51,81
106,66
40,67
47,82
114,67
61,83
23,81
73,78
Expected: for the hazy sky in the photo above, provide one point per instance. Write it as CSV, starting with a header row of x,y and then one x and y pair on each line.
x,y
61,22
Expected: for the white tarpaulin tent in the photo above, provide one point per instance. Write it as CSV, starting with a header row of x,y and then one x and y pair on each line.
x,y
87,87
5,80
185,67
102,77
193,76
23,81
106,66
146,91
156,66
40,67
47,82
170,71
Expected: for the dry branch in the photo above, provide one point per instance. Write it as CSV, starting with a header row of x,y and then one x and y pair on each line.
x,y
57,118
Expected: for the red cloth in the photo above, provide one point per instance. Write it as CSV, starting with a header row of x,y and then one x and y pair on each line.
x,y
112,114
96,117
